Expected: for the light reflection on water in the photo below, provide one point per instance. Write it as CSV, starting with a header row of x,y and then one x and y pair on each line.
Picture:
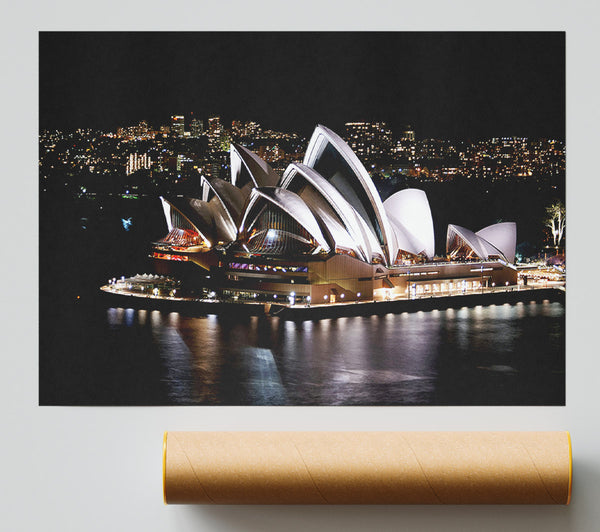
x,y
508,354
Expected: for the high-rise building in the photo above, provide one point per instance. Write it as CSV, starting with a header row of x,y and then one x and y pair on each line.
x,y
137,161
196,127
177,125
369,140
215,131
214,124
408,133
183,162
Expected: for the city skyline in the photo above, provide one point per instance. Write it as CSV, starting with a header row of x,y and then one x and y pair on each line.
x,y
446,85
191,121
202,143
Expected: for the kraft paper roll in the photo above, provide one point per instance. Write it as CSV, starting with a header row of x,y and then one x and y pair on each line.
x,y
367,467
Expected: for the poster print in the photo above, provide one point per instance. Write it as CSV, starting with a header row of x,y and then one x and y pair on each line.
x,y
302,218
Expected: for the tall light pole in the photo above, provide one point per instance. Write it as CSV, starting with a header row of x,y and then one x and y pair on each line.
x,y
481,282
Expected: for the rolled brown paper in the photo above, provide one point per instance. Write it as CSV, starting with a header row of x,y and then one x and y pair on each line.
x,y
367,467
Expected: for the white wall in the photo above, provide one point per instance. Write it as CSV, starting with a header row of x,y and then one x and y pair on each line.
x,y
98,469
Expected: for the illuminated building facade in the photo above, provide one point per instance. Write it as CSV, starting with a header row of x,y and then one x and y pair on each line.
x,y
196,128
178,125
320,232
369,140
215,131
137,161
408,134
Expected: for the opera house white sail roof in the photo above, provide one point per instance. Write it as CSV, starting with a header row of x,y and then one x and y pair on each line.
x,y
265,199
312,185
409,213
249,168
495,241
331,157
326,205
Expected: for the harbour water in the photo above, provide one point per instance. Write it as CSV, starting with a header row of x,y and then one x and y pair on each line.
x,y
94,354
494,355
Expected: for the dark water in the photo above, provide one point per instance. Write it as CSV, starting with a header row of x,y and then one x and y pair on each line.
x,y
498,355
93,355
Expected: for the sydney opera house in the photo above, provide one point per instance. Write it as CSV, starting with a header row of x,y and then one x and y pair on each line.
x,y
320,232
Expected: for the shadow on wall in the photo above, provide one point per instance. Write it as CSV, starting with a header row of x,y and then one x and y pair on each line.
x,y
384,518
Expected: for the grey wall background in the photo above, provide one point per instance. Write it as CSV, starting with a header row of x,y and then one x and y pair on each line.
x,y
99,469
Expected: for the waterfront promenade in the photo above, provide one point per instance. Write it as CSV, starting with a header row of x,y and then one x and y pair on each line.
x,y
491,296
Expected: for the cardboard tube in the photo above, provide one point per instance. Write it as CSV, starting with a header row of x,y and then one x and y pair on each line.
x,y
367,467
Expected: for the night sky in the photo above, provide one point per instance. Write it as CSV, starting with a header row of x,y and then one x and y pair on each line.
x,y
447,85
